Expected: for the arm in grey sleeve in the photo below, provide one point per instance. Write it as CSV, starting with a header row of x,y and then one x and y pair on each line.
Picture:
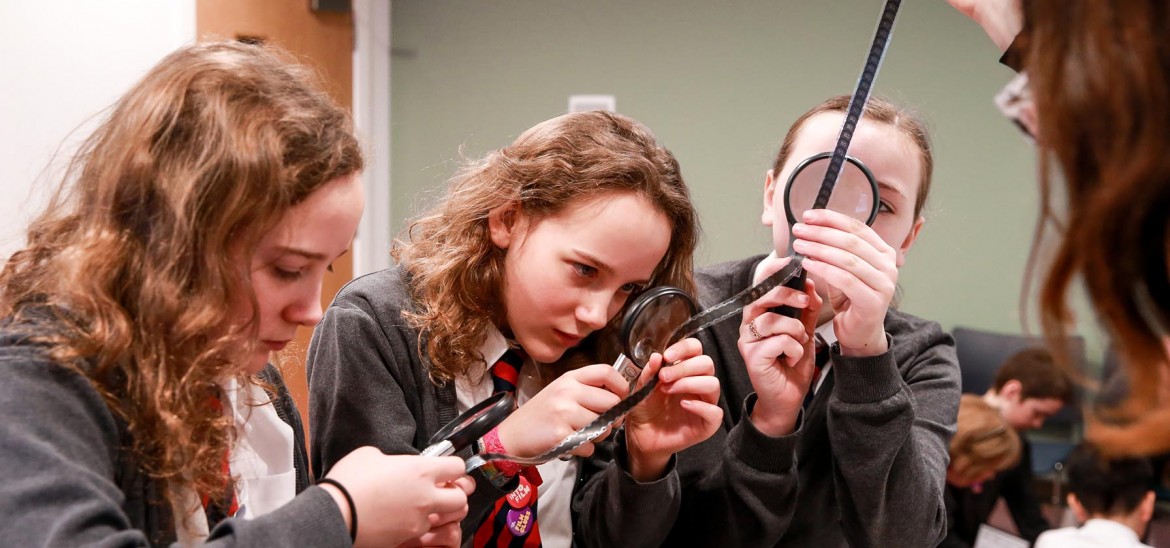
x,y
739,487
890,441
614,509
59,447
364,390
356,395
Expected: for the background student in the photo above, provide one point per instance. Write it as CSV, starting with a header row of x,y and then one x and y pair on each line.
x,y
984,446
1112,499
1028,389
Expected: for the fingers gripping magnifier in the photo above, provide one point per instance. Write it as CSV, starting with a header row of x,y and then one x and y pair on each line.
x,y
855,195
648,326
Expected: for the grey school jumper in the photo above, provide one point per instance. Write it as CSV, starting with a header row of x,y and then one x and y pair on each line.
x,y
369,386
866,465
69,481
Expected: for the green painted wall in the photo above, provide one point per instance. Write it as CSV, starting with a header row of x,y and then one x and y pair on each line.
x,y
719,83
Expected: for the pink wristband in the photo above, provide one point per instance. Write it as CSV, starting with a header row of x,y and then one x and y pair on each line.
x,y
491,444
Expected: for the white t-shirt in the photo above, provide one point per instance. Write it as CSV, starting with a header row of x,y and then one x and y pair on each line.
x,y
1094,533
555,493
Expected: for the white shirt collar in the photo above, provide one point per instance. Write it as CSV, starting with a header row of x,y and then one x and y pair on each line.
x,y
494,345
1110,529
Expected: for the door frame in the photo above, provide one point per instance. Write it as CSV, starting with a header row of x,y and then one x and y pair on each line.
x,y
371,114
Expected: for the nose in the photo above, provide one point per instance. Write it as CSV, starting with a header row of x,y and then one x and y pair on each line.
x,y
593,310
307,310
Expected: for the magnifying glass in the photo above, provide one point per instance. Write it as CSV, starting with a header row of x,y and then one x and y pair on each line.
x,y
471,425
855,195
648,325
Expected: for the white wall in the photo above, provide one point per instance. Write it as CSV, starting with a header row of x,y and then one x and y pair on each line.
x,y
64,62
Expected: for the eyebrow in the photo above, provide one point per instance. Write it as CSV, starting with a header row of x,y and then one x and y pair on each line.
x,y
306,254
602,266
884,186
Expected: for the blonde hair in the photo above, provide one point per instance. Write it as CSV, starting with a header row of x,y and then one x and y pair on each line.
x,y
141,260
454,270
983,441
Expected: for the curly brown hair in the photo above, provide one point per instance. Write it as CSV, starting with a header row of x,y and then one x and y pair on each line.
x,y
141,258
455,270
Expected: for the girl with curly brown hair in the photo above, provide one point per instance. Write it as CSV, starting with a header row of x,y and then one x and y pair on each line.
x,y
530,258
187,242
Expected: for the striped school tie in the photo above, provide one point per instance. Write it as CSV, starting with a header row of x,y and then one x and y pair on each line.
x,y
512,521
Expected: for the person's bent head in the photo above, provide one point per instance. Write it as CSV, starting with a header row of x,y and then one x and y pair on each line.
x,y
1029,388
1114,489
547,239
1100,77
983,445
188,240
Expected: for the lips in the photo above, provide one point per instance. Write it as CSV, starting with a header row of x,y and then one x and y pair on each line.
x,y
567,339
275,346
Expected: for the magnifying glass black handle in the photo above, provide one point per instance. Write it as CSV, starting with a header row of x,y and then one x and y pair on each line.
x,y
797,283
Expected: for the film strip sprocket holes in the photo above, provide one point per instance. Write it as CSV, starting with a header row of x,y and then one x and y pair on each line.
x,y
736,303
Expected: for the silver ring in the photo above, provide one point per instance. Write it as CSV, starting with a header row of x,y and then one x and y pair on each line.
x,y
755,332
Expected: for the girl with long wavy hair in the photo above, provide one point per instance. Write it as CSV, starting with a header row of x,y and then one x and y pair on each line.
x,y
188,240
528,261
1099,79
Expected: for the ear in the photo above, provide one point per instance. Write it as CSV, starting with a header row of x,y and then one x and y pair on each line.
x,y
769,216
504,223
909,241
1078,510
1011,391
1146,508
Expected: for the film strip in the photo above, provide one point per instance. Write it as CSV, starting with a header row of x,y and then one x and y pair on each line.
x,y
736,303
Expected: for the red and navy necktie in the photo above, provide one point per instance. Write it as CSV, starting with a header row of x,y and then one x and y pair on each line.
x,y
226,506
512,521
819,362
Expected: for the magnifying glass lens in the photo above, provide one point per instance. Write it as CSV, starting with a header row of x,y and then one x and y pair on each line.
x,y
654,322
853,194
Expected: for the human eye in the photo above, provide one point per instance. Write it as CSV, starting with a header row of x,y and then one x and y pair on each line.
x,y
287,274
631,288
584,270
885,207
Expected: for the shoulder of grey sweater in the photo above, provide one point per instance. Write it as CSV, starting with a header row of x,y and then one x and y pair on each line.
x,y
717,282
59,408
919,343
381,290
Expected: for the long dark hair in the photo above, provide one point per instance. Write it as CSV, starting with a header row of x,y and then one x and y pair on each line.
x,y
1100,77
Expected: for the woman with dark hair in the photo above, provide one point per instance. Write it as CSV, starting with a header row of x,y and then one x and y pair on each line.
x,y
1099,78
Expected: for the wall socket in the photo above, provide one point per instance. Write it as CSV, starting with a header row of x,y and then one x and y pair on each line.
x,y
582,103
